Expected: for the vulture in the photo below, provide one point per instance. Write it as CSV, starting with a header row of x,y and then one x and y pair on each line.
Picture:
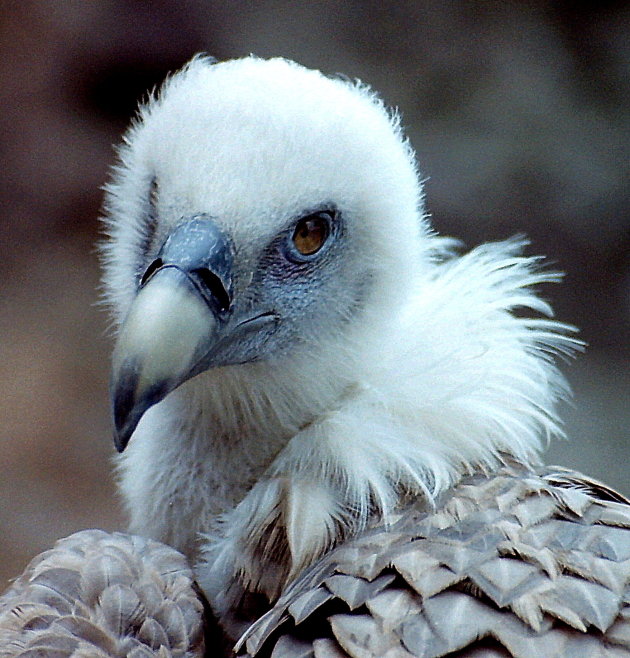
x,y
329,410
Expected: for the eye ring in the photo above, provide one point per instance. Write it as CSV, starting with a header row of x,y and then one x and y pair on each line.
x,y
311,233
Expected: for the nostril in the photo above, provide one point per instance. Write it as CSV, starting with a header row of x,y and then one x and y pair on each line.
x,y
151,270
213,284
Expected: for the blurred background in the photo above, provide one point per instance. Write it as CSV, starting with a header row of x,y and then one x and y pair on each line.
x,y
518,112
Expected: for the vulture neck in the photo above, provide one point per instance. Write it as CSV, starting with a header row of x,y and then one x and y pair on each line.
x,y
239,419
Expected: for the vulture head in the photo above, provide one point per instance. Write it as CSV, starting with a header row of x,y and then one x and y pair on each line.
x,y
297,352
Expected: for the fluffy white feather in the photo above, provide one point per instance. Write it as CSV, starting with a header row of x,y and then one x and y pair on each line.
x,y
262,467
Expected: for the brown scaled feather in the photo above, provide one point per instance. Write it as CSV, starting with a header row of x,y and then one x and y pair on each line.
x,y
515,564
97,594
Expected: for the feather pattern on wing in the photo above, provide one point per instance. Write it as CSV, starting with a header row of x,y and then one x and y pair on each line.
x,y
101,595
518,563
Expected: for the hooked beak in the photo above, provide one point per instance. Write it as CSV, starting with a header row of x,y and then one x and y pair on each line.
x,y
180,323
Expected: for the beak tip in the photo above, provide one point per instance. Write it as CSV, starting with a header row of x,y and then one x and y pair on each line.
x,y
120,445
123,403
123,430
121,439
130,401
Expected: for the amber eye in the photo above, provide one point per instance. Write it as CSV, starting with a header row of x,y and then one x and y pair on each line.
x,y
310,233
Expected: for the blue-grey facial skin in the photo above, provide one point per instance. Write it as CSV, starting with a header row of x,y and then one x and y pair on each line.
x,y
304,291
290,300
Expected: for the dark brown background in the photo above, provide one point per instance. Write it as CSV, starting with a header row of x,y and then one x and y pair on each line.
x,y
519,115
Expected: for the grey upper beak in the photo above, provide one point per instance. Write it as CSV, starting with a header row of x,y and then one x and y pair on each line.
x,y
175,322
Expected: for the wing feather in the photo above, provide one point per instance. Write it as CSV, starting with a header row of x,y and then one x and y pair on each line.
x,y
513,564
96,594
